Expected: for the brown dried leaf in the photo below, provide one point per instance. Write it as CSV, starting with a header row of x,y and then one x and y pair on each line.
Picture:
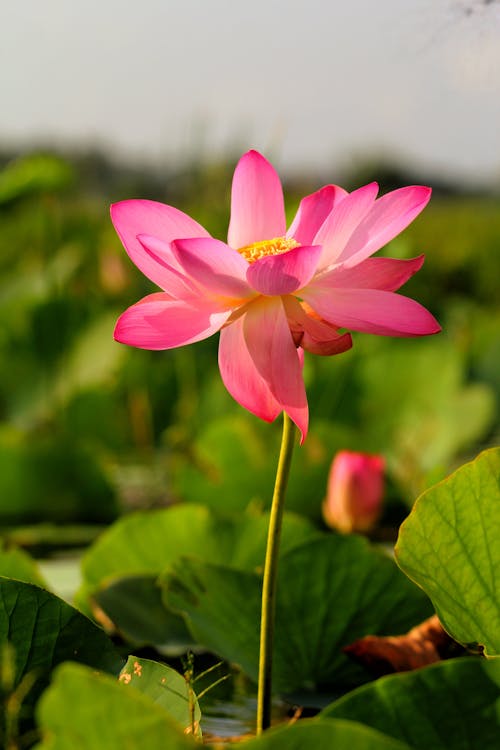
x,y
424,644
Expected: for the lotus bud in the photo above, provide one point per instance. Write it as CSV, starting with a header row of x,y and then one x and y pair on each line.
x,y
355,491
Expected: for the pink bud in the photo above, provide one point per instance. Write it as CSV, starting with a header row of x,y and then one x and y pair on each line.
x,y
355,491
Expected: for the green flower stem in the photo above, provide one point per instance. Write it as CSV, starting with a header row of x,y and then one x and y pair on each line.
x,y
270,577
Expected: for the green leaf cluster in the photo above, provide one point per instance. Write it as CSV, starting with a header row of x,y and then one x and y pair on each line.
x,y
189,568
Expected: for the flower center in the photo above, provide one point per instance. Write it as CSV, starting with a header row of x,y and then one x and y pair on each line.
x,y
259,250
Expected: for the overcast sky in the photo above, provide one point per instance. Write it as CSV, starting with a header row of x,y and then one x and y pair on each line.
x,y
304,82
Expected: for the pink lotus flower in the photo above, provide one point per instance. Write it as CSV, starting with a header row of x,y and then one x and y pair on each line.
x,y
272,293
355,491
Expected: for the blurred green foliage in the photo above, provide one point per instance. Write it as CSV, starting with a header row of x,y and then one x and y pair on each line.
x,y
89,428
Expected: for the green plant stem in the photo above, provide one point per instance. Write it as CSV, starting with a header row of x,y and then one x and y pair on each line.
x,y
270,577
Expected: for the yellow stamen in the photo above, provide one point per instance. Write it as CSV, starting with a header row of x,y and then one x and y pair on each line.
x,y
276,246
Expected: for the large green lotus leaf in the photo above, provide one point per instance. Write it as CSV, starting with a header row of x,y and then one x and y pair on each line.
x,y
331,591
250,539
147,542
222,609
83,710
134,604
121,568
166,687
452,705
324,735
41,631
449,545
15,563
87,711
